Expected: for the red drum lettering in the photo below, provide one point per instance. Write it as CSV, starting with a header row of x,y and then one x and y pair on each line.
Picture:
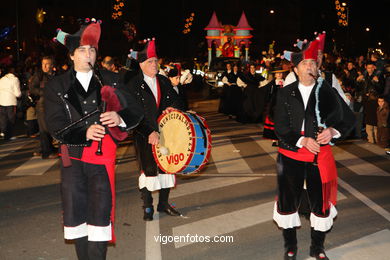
x,y
175,158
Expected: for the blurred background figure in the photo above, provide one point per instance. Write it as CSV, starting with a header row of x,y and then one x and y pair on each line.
x,y
37,86
108,63
9,92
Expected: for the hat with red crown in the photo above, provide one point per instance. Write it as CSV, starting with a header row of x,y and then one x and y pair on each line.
x,y
149,51
89,34
321,41
310,52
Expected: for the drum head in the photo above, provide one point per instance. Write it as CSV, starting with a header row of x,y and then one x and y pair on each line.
x,y
174,151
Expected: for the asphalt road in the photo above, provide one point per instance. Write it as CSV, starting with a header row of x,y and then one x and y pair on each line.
x,y
227,208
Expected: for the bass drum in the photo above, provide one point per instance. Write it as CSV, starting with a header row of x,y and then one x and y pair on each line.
x,y
185,143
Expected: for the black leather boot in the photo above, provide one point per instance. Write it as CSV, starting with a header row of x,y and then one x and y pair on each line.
x,y
81,245
290,243
317,245
97,250
147,198
163,205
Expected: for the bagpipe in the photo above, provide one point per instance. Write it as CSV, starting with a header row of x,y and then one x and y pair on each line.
x,y
110,101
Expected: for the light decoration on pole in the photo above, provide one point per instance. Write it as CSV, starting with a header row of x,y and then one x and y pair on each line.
x,y
40,16
117,9
188,23
342,13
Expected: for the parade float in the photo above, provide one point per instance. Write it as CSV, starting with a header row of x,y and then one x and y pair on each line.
x,y
228,40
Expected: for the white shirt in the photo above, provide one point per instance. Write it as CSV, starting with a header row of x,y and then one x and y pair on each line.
x,y
305,93
84,78
9,90
335,84
152,83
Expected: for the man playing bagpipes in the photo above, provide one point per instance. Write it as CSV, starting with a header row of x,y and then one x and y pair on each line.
x,y
309,115
75,103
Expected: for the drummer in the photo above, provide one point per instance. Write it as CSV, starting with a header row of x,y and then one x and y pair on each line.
x,y
154,91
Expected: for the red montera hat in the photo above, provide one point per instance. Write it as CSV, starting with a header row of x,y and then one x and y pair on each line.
x,y
310,53
148,52
321,41
89,34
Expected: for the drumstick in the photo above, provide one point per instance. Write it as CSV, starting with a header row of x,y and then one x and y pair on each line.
x,y
164,150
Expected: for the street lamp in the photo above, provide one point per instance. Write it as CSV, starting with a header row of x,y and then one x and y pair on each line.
x,y
344,4
271,11
367,29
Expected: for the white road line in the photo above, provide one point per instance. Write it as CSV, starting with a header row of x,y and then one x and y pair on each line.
x,y
356,164
38,166
229,222
227,160
372,148
153,247
237,175
7,149
207,184
373,246
34,166
381,211
266,146
225,223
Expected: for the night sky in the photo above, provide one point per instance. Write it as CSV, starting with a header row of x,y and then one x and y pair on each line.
x,y
165,21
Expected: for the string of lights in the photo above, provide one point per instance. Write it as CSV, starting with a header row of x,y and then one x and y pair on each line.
x,y
188,23
342,13
117,9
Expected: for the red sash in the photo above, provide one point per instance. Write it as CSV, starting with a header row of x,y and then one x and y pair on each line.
x,y
107,159
327,168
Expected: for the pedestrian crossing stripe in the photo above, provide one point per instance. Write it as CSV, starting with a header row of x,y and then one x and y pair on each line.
x,y
373,246
229,222
356,164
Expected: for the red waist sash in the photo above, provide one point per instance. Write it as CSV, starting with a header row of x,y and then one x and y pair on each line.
x,y
107,159
327,169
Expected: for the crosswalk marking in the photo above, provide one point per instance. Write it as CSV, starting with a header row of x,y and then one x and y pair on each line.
x,y
227,160
38,166
229,222
356,164
153,247
207,184
34,166
266,146
372,148
381,211
9,148
373,246
225,223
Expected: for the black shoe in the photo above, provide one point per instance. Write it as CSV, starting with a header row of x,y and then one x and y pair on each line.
x,y
169,210
291,253
318,254
148,214
274,143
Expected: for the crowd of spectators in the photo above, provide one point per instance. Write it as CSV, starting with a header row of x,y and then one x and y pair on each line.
x,y
365,81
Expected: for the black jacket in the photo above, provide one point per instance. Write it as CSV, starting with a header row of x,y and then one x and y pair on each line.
x,y
66,102
138,88
290,113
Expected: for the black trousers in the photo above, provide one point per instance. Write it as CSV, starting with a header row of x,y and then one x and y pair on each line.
x,y
46,140
86,194
291,177
7,120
